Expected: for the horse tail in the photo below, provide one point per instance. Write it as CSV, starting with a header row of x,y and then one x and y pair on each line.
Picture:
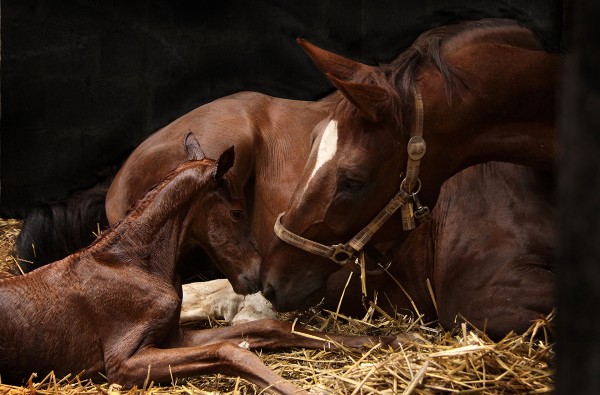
x,y
53,231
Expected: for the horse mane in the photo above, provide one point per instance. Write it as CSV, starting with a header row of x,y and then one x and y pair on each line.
x,y
185,192
399,76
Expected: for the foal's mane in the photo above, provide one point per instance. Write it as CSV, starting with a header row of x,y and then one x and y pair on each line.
x,y
184,191
399,76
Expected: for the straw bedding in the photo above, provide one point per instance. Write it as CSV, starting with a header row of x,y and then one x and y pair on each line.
x,y
430,359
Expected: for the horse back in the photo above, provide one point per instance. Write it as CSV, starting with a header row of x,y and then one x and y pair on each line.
x,y
217,125
271,137
498,31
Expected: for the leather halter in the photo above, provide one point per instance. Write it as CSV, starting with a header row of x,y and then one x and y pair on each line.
x,y
345,253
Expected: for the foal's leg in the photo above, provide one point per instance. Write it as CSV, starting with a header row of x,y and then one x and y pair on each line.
x,y
160,365
274,334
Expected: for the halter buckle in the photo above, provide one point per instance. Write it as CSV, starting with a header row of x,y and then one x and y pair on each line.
x,y
416,147
422,213
342,254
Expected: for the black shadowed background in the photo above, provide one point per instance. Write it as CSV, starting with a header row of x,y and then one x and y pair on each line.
x,y
85,81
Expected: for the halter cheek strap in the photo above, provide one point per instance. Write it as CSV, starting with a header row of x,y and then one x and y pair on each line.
x,y
405,198
416,149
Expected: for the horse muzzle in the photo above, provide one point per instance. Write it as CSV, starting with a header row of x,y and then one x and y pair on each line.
x,y
293,279
247,281
290,298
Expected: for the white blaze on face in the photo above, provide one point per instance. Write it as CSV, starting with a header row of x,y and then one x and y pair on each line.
x,y
327,147
325,152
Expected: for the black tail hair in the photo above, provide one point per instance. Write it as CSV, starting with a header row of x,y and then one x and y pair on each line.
x,y
54,230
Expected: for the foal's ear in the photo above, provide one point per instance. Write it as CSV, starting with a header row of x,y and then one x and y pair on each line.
x,y
369,99
330,63
225,162
192,147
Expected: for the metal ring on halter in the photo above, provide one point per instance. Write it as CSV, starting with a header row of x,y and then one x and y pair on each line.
x,y
411,192
340,254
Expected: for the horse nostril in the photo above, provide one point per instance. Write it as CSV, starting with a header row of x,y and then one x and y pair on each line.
x,y
251,283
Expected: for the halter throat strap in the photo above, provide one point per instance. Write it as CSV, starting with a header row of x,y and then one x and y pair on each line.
x,y
345,253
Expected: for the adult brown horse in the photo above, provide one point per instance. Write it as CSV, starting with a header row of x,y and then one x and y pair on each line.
x,y
113,308
273,138
481,91
272,141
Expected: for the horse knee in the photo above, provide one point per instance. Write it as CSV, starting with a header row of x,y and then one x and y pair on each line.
x,y
496,316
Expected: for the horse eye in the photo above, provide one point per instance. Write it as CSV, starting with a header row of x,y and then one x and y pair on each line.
x,y
237,215
353,185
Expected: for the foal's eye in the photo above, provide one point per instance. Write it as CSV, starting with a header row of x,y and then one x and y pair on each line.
x,y
237,215
353,185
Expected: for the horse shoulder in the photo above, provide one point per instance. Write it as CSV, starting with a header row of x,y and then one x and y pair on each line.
x,y
281,154
495,238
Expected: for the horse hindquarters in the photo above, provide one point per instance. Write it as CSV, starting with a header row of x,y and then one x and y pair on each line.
x,y
494,248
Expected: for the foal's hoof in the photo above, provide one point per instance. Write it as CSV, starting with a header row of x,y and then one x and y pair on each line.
x,y
411,338
402,339
389,342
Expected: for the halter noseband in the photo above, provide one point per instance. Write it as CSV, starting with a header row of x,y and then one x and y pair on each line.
x,y
348,252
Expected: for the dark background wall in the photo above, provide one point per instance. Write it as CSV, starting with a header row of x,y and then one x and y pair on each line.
x,y
84,81
578,344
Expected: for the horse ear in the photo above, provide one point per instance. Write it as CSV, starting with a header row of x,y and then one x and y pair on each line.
x,y
192,147
225,162
330,63
367,98
338,69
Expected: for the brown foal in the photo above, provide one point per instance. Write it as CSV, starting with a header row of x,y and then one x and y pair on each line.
x,y
113,308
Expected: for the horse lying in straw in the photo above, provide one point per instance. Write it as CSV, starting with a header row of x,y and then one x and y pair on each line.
x,y
113,308
475,92
464,73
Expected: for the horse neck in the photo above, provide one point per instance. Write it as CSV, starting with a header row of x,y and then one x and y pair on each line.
x,y
152,234
507,113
